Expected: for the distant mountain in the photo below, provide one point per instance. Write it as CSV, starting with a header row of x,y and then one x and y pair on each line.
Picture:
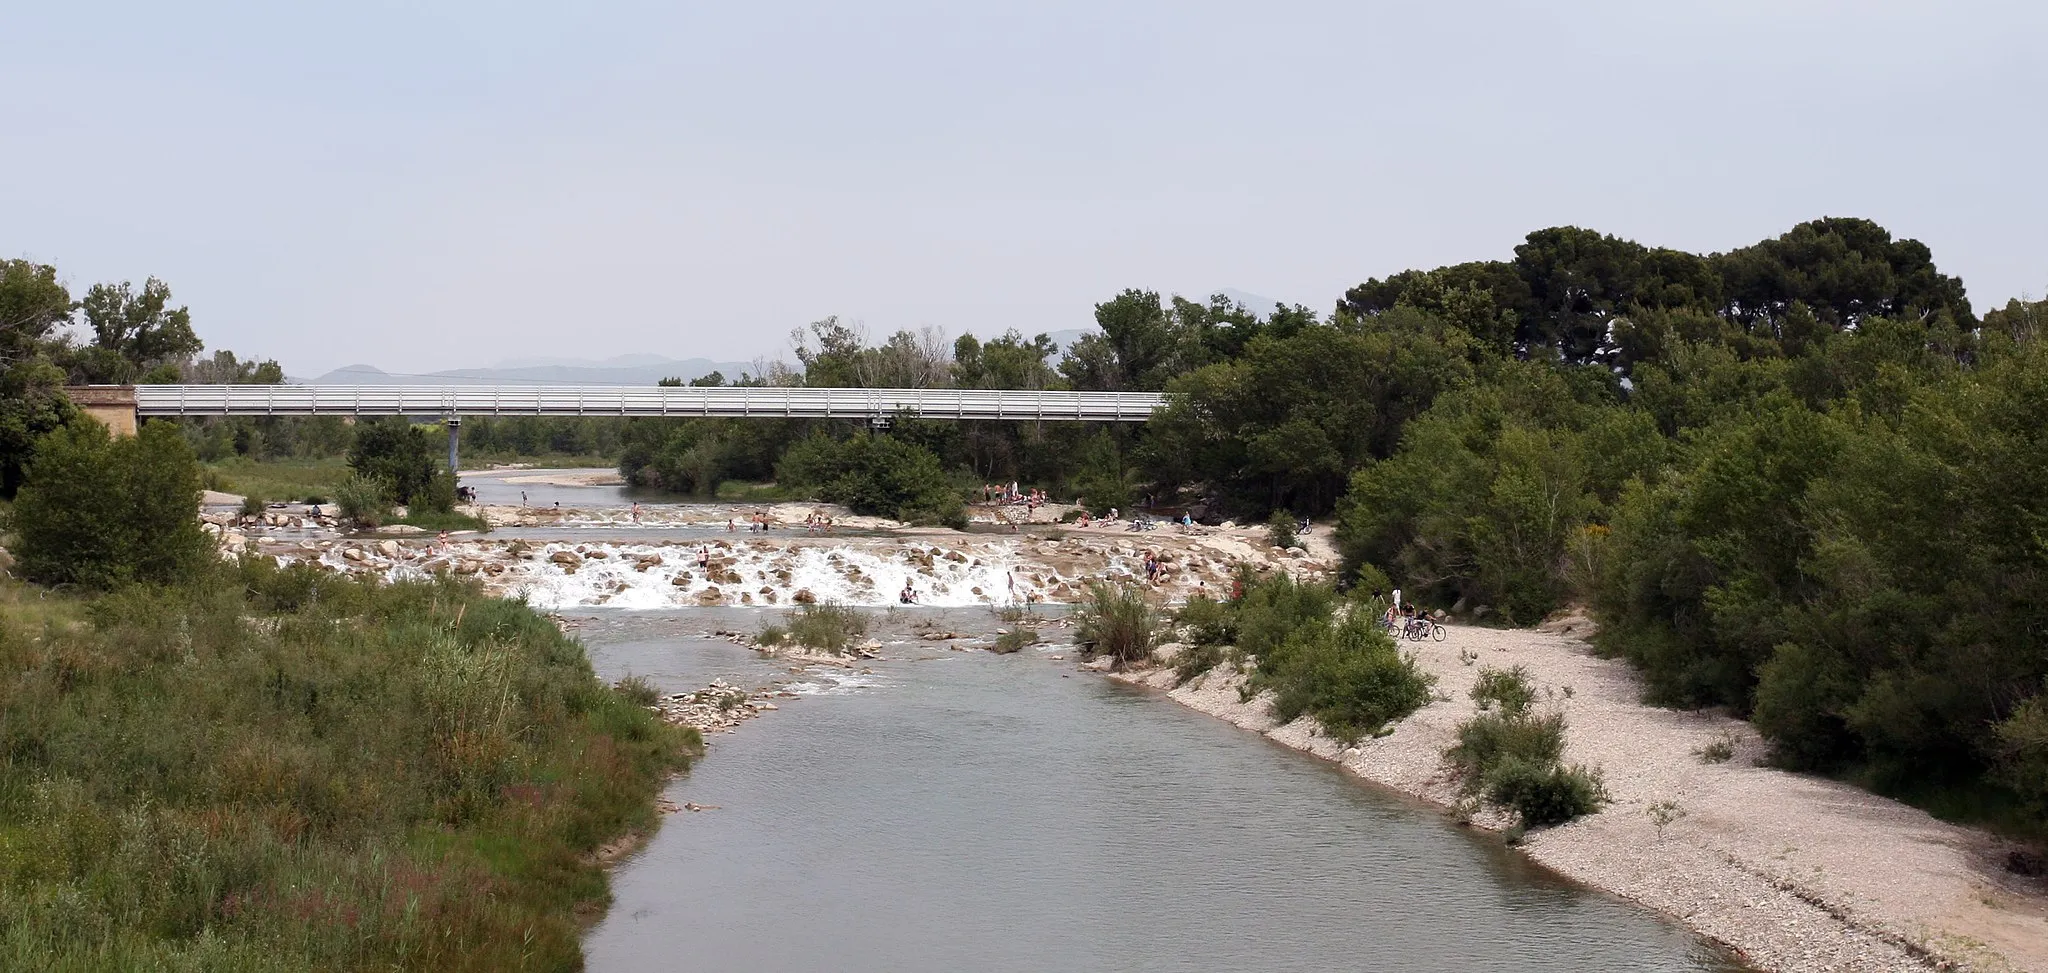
x,y
625,370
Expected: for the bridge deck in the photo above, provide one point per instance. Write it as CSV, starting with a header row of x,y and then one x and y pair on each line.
x,y
801,403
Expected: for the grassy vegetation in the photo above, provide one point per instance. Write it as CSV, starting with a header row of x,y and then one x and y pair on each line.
x,y
1115,621
1014,640
284,769
288,480
826,627
1513,758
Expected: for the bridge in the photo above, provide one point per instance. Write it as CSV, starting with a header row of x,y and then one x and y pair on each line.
x,y
455,401
120,405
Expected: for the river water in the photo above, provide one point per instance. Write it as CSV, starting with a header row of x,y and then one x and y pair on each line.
x,y
963,811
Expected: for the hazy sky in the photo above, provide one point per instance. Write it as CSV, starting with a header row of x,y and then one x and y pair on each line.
x,y
430,189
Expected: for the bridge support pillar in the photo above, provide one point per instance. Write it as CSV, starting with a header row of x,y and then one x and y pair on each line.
x,y
454,444
113,405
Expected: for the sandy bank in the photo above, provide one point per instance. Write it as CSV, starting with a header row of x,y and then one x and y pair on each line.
x,y
1795,873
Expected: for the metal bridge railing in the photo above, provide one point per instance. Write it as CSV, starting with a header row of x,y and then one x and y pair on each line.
x,y
589,400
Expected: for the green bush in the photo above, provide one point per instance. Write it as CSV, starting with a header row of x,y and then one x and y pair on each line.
x,y
407,459
365,501
638,690
1490,739
99,512
1194,660
771,636
875,474
1115,620
1204,621
252,506
1508,688
271,768
1014,640
1544,794
1350,676
1511,757
1280,529
827,627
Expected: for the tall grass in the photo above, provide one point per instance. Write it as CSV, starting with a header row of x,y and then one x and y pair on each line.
x,y
826,626
284,769
1115,620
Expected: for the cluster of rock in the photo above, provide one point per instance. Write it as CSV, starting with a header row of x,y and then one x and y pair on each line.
x,y
718,707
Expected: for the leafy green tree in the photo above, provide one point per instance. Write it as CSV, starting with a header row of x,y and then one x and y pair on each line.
x,y
100,512
34,308
406,457
135,336
873,474
1286,423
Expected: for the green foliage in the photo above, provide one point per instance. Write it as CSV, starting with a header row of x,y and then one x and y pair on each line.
x,y
1513,760
100,512
771,636
1545,795
637,690
826,627
1195,660
1204,621
1285,423
1280,529
1115,620
1508,689
364,500
873,474
1349,675
253,505
2021,742
282,768
407,459
1014,640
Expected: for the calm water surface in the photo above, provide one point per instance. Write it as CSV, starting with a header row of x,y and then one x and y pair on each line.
x,y
971,812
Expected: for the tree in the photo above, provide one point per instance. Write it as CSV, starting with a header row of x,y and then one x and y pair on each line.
x,y
34,307
100,512
403,455
134,335
873,474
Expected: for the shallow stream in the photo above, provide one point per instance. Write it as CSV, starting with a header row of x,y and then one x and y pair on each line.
x,y
963,811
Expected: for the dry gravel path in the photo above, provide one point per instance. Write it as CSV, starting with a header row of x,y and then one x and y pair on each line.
x,y
1794,872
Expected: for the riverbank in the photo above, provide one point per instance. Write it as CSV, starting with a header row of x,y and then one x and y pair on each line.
x,y
1796,873
265,769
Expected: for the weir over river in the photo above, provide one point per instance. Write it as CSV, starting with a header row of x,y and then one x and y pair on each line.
x,y
963,811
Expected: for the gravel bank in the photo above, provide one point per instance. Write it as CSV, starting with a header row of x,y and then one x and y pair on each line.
x,y
1793,872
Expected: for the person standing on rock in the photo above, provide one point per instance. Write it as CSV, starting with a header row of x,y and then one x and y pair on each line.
x,y
522,499
636,511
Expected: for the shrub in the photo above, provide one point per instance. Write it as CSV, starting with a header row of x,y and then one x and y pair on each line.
x,y
252,506
827,627
1014,640
1115,620
1204,621
874,474
1490,739
1511,758
1545,794
100,512
1719,750
637,690
231,774
1349,676
1507,688
1195,660
771,636
1280,529
406,458
365,501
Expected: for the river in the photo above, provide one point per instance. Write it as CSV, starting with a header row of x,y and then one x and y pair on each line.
x,y
963,811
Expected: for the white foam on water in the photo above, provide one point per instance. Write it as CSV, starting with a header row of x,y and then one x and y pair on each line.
x,y
836,684
831,573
